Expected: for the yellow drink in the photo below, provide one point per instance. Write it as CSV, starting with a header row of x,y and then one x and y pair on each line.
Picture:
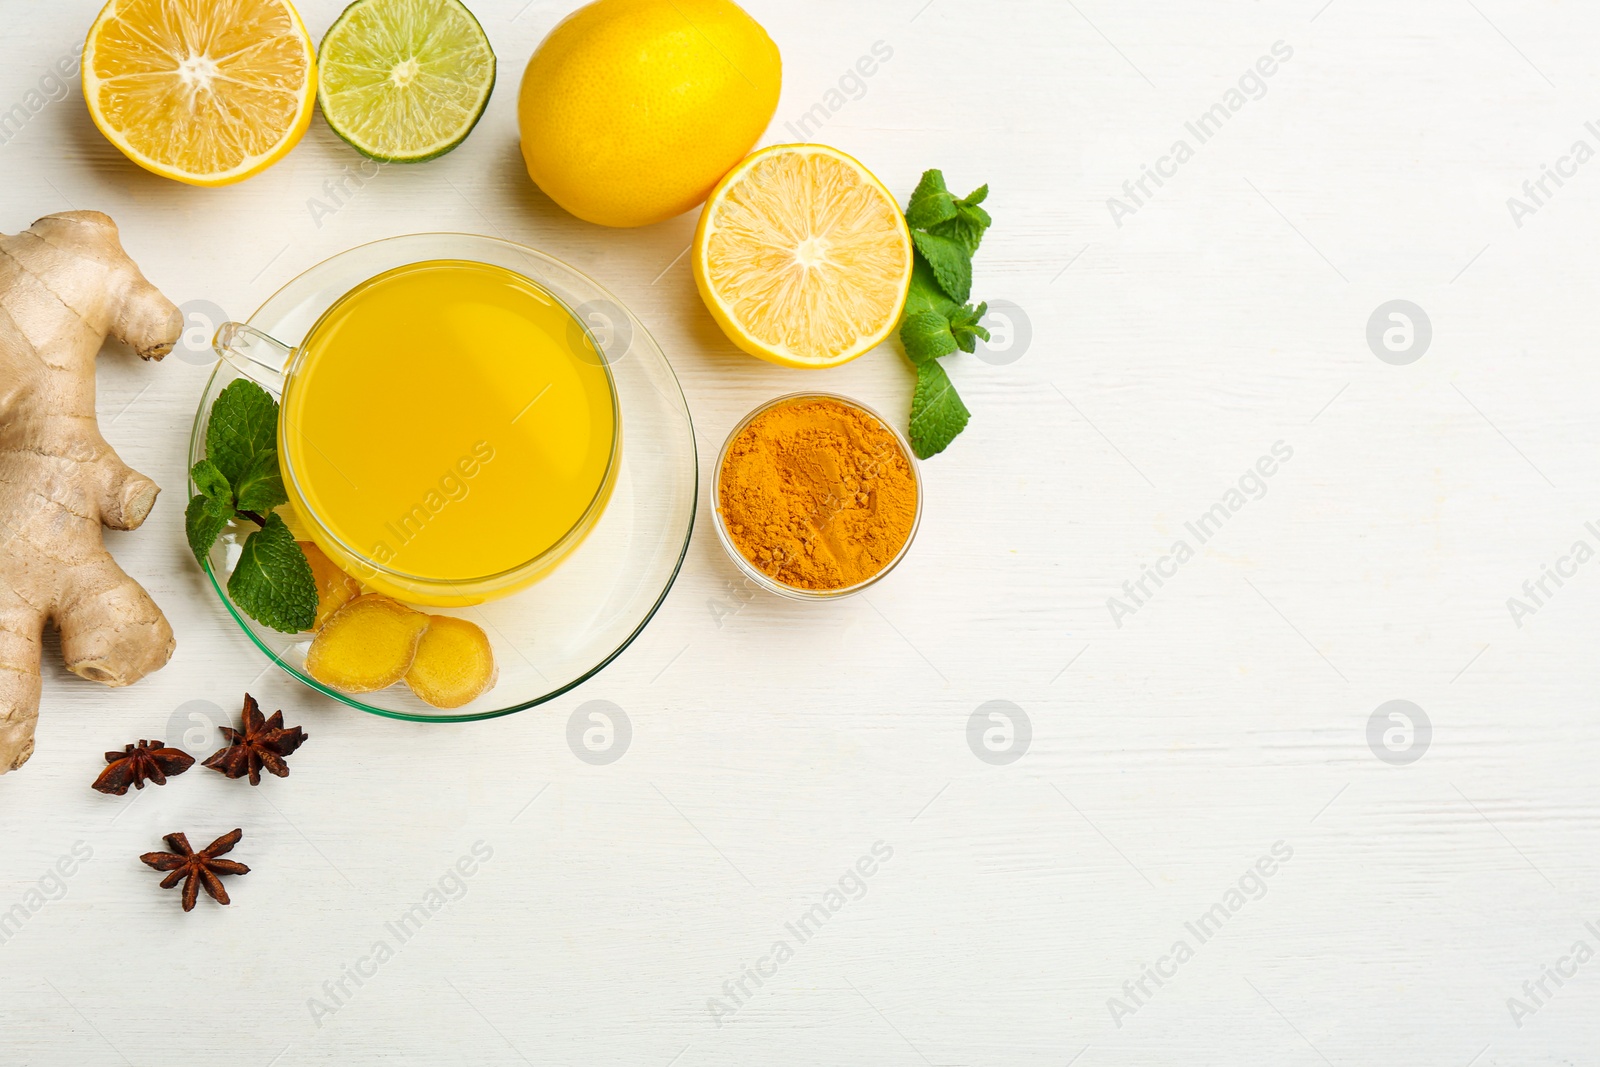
x,y
444,426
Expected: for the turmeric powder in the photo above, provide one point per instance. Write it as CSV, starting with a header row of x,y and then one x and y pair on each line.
x,y
818,494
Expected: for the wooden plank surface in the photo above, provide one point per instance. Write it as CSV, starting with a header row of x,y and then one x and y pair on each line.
x,y
1218,722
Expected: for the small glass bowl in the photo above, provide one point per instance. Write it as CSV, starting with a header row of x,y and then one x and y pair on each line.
x,y
750,570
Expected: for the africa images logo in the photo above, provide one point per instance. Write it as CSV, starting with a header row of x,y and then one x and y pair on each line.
x,y
850,886
1251,85
1251,485
1250,886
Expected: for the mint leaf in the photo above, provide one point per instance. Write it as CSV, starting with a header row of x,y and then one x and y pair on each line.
x,y
219,507
934,325
202,526
967,222
272,581
964,326
925,294
244,424
261,485
210,481
951,263
926,335
931,203
937,413
216,496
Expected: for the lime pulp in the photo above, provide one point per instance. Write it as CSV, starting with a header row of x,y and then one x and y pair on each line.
x,y
404,81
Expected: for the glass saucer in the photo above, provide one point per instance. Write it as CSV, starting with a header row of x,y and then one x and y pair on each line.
x,y
567,626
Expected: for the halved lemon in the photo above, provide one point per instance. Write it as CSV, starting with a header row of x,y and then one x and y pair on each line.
x,y
200,92
802,256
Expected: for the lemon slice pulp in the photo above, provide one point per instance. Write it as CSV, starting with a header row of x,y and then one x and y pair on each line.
x,y
803,257
203,93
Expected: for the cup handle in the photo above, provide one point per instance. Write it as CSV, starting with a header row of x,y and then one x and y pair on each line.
x,y
253,354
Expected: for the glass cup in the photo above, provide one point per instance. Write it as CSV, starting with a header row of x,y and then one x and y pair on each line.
x,y
282,371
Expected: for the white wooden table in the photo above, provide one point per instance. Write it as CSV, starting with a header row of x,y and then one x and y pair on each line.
x,y
1170,751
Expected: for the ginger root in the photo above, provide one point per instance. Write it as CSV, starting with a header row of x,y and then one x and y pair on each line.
x,y
65,283
367,645
335,588
454,664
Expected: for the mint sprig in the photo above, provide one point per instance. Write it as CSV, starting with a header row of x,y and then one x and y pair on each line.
x,y
938,321
240,479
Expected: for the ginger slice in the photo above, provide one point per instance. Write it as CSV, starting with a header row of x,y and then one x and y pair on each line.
x,y
454,664
367,645
335,588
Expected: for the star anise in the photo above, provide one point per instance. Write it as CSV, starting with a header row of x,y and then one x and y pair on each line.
x,y
199,868
263,743
136,764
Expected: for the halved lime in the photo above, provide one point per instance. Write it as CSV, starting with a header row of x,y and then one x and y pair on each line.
x,y
404,80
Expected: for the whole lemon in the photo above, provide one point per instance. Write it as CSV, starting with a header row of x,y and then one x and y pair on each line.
x,y
631,111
